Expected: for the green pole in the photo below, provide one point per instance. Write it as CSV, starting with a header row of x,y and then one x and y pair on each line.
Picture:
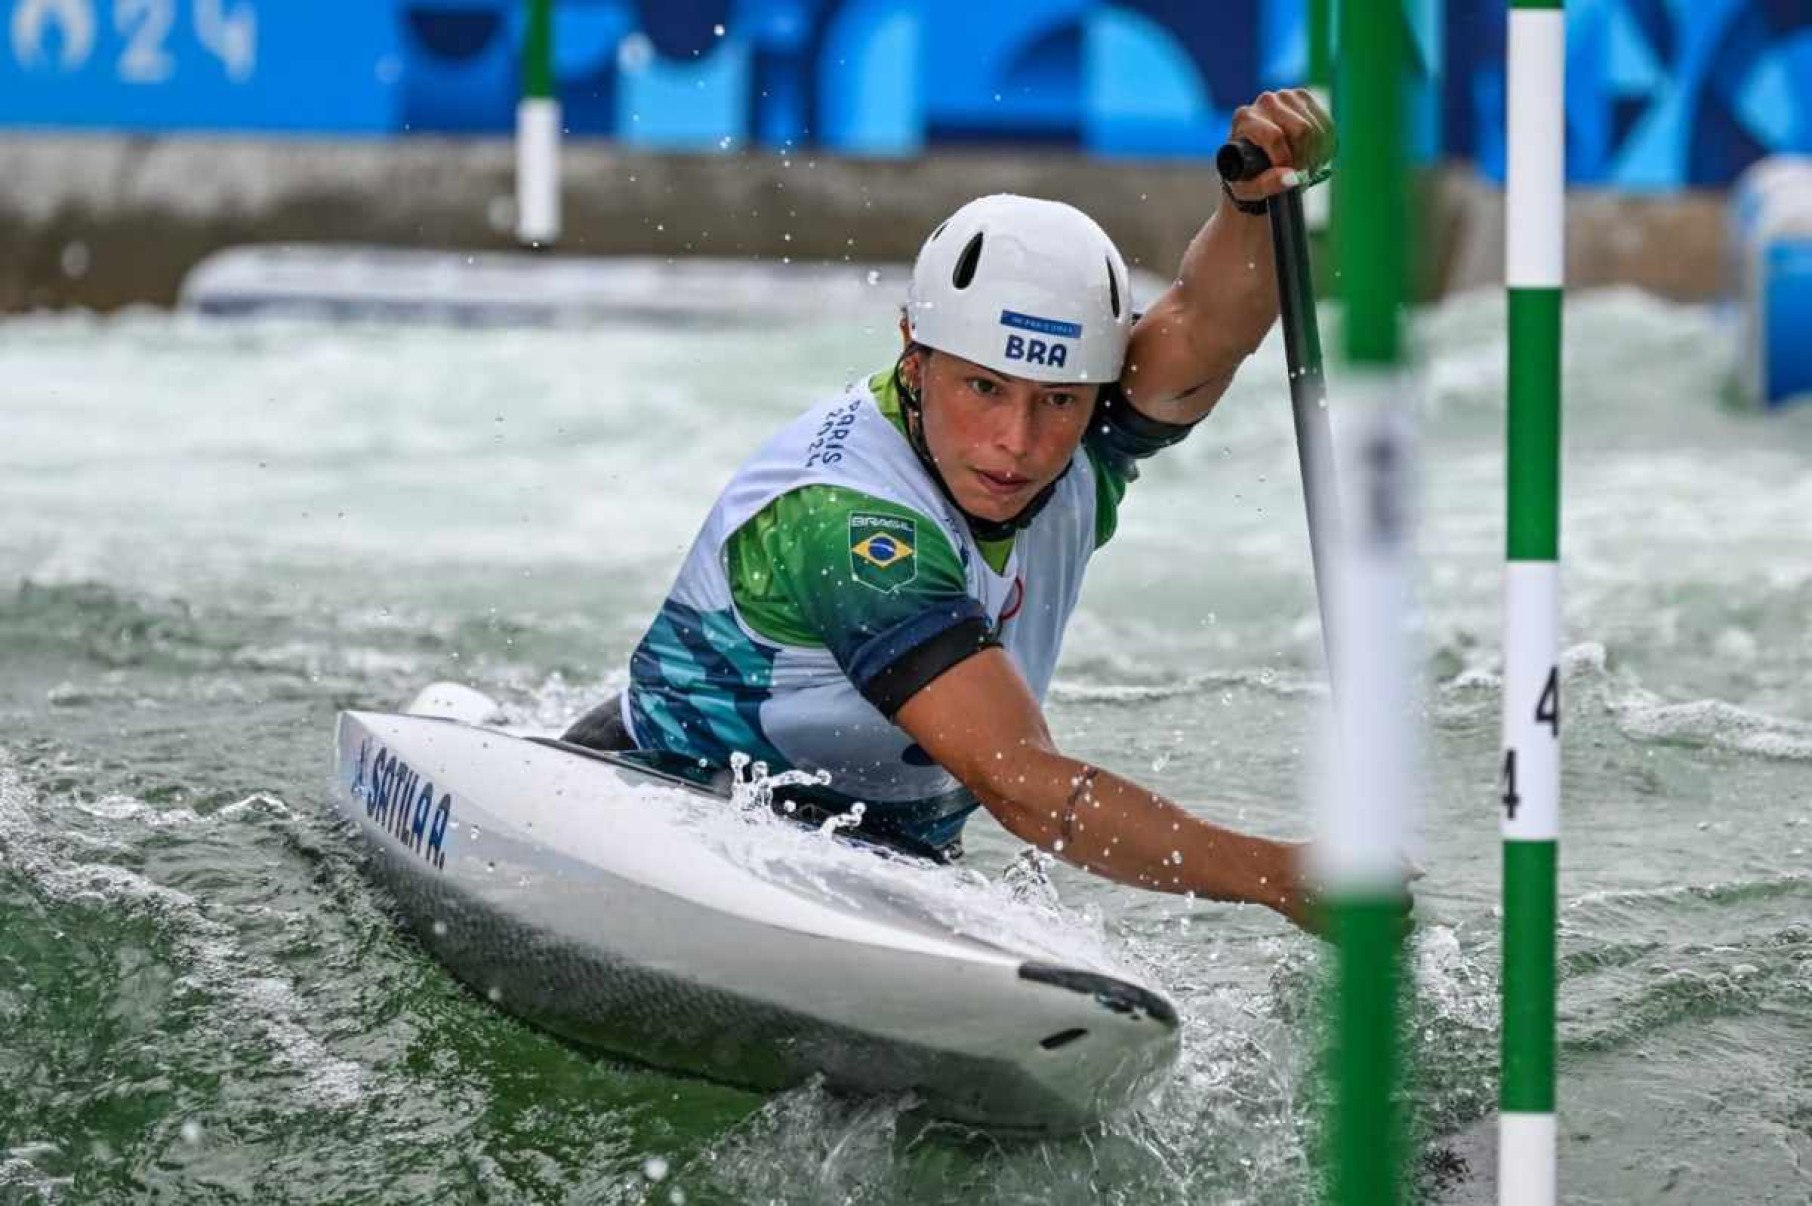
x,y
1321,43
1529,778
538,51
1365,814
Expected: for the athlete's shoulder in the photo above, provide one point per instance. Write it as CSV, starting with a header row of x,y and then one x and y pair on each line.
x,y
825,565
828,432
879,542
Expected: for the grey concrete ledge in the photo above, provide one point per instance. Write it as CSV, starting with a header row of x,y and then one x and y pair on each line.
x,y
102,221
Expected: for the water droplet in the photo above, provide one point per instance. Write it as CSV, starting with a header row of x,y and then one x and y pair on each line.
x,y
635,53
717,31
654,1168
191,1131
440,928
76,259
874,276
493,994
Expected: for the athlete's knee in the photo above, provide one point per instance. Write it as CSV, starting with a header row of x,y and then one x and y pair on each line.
x,y
601,728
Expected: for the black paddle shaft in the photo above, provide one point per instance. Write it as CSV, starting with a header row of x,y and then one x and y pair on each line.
x,y
1243,160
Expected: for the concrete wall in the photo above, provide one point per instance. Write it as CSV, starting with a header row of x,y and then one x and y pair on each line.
x,y
104,221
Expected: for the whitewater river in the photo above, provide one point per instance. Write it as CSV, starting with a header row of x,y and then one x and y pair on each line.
x,y
213,537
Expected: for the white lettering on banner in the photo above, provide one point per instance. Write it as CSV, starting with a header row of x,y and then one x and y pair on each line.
x,y
226,29
74,21
145,24
233,37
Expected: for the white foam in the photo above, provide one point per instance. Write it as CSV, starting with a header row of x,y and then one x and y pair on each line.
x,y
1714,723
17,1172
1269,681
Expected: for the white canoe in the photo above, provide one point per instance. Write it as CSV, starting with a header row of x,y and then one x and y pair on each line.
x,y
572,888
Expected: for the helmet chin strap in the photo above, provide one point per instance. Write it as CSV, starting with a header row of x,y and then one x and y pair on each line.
x,y
912,403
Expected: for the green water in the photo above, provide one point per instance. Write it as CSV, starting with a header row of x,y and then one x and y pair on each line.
x,y
215,537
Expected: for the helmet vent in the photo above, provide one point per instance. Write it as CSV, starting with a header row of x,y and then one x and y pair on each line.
x,y
1113,288
965,263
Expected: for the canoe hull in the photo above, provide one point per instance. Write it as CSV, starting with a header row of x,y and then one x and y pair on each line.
x,y
573,892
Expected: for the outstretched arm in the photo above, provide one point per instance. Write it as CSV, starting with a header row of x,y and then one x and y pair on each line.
x,y
1187,346
979,720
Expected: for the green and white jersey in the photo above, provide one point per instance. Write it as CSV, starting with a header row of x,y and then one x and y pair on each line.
x,y
832,580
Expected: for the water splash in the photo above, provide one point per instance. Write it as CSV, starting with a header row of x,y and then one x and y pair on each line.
x,y
851,820
752,787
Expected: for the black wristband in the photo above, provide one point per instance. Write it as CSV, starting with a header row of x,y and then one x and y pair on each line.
x,y
1244,207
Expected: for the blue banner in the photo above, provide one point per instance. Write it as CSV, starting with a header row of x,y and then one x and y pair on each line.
x,y
1661,93
329,66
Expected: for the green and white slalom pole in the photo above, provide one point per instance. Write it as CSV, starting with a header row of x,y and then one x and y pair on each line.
x,y
538,134
1529,780
1366,800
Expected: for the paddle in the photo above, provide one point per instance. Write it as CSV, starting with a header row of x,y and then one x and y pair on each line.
x,y
1242,160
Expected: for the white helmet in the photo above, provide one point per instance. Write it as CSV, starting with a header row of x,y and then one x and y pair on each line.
x,y
1028,288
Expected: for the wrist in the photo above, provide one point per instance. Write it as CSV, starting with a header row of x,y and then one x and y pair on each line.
x,y
1240,867
1278,879
1252,208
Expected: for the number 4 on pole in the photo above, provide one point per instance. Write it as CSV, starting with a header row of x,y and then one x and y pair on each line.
x,y
1547,708
1547,711
1508,779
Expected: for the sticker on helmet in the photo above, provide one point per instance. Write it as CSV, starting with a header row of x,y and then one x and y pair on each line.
x,y
882,550
1043,326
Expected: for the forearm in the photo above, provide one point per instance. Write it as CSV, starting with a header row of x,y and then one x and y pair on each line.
x,y
1103,823
1229,278
1187,347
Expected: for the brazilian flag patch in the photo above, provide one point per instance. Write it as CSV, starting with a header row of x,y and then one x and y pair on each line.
x,y
883,550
